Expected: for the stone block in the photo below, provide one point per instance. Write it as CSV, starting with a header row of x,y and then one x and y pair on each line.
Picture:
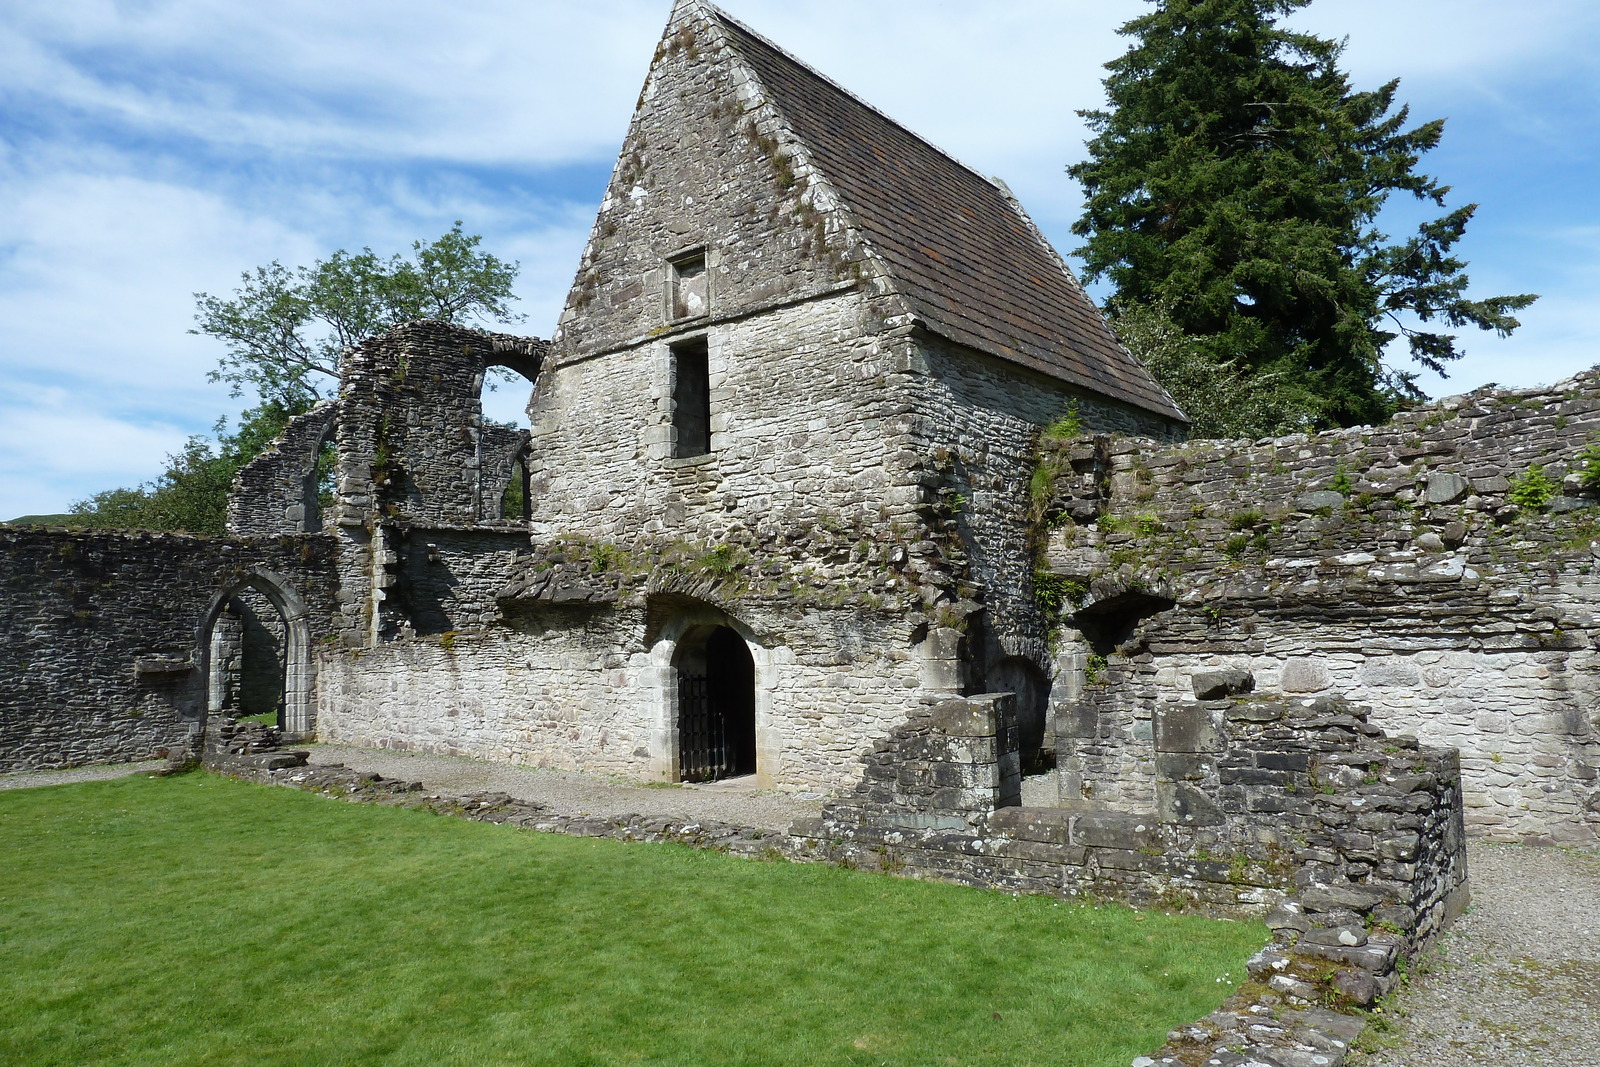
x,y
1078,719
1255,712
1447,488
965,718
1389,671
1301,674
1116,830
1215,685
1359,898
1184,766
1181,804
1323,500
1186,728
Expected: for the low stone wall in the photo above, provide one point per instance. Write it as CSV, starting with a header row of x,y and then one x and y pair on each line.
x,y
1349,843
101,635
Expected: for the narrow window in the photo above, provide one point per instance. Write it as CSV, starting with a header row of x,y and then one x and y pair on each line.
x,y
691,400
691,295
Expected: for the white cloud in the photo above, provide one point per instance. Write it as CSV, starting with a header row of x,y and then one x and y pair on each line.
x,y
56,447
478,81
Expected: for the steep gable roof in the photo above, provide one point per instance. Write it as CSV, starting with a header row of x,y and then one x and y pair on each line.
x,y
968,261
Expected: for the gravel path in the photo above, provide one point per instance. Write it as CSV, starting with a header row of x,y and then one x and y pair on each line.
x,y
99,772
1517,981
572,793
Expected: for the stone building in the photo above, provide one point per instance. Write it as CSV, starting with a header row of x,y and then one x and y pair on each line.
x,y
779,446
784,494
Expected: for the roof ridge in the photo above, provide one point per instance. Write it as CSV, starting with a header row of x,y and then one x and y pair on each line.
x,y
718,12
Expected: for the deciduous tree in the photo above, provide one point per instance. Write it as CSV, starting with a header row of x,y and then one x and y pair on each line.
x,y
286,329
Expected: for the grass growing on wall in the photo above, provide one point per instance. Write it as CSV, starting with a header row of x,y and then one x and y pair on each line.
x,y
196,920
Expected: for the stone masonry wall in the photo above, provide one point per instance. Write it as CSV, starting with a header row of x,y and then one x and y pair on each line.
x,y
276,493
586,686
1349,843
1393,565
100,656
706,165
979,421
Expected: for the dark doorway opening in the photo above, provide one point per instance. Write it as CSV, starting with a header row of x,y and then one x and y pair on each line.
x,y
1031,686
716,705
249,648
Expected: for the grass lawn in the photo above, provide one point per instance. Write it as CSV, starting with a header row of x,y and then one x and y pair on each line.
x,y
196,920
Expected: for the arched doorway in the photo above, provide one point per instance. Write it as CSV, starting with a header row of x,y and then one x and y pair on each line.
x,y
255,642
249,644
716,678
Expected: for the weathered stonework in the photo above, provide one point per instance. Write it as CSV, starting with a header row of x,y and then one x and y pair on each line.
x,y
1388,564
105,639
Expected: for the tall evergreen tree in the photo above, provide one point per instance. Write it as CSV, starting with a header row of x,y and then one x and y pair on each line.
x,y
1235,182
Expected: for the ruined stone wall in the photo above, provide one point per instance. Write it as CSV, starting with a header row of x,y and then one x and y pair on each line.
x,y
1392,565
414,451
411,434
450,579
276,493
979,423
100,635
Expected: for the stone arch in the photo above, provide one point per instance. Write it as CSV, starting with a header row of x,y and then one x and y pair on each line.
x,y
299,669
504,452
690,640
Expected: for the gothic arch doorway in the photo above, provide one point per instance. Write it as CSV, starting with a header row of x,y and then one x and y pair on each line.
x,y
716,678
255,642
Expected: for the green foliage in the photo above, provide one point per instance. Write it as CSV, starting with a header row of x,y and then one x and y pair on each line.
x,y
1222,396
1341,483
1067,426
514,503
724,560
286,328
1235,181
1095,666
1532,489
129,910
1149,525
192,493
1246,520
1589,467
1053,592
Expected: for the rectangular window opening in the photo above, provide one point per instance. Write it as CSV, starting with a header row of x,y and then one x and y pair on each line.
x,y
691,400
691,293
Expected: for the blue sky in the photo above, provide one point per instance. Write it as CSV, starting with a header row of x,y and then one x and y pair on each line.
x,y
153,148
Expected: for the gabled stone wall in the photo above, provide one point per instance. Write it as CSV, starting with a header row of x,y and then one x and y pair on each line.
x,y
1392,565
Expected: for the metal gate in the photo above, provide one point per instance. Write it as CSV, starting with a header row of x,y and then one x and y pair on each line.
x,y
703,751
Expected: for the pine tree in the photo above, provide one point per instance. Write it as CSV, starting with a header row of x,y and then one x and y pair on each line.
x,y
1234,182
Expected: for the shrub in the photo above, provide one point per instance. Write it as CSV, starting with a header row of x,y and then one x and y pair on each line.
x,y
1532,489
